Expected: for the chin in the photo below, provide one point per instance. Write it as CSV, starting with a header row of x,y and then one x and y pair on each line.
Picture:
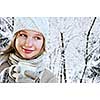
x,y
25,57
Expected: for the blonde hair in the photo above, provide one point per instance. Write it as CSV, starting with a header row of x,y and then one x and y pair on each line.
x,y
11,48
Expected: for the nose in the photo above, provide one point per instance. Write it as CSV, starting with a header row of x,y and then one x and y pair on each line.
x,y
29,42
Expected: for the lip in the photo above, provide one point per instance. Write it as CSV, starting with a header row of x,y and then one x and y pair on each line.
x,y
27,50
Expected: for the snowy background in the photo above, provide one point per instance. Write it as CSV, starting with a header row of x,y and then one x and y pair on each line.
x,y
73,45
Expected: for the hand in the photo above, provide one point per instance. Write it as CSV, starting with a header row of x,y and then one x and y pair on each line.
x,y
31,75
14,73
28,78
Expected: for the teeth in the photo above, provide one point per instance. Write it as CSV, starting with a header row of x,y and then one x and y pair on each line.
x,y
28,49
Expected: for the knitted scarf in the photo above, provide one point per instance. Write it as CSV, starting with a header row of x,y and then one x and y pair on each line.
x,y
37,63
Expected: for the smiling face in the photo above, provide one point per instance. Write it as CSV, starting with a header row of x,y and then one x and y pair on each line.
x,y
29,43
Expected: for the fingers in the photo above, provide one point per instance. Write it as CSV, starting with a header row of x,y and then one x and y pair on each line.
x,y
30,74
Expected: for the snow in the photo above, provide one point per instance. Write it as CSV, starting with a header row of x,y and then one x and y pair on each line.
x,y
75,30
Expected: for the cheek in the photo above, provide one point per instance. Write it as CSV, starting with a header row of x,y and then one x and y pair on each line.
x,y
18,43
39,44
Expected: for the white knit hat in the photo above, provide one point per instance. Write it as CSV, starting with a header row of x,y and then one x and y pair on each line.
x,y
39,24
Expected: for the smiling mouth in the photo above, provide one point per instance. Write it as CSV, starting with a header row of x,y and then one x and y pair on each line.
x,y
27,50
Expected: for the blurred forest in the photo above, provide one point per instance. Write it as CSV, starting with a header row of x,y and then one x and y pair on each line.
x,y
73,46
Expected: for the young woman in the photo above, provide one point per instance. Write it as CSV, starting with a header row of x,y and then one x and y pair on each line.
x,y
25,52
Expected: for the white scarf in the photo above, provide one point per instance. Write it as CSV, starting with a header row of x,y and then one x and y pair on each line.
x,y
37,63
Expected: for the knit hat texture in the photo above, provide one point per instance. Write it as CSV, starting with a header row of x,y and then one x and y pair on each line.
x,y
39,24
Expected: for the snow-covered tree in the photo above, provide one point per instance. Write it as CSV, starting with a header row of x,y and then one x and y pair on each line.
x,y
73,46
